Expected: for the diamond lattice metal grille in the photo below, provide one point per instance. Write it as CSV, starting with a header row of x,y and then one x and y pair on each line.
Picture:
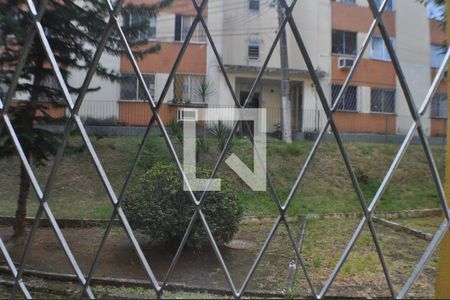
x,y
283,205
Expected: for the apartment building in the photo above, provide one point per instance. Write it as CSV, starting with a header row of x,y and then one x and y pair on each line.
x,y
333,31
169,30
243,32
125,103
376,103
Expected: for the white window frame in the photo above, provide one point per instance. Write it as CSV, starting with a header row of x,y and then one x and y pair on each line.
x,y
441,98
153,23
437,55
152,90
341,107
253,43
50,82
188,89
384,53
383,101
199,35
345,33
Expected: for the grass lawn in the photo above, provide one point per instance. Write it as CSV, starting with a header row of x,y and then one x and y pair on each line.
x,y
362,275
324,242
78,192
428,225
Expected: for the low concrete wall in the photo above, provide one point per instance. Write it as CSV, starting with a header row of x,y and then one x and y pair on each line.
x,y
346,137
113,130
105,130
370,138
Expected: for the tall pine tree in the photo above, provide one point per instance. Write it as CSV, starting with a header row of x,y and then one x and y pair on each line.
x,y
73,29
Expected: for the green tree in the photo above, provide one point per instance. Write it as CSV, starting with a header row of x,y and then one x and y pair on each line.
x,y
159,207
73,29
205,90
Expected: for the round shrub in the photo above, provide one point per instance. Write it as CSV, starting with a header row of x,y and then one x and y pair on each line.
x,y
160,208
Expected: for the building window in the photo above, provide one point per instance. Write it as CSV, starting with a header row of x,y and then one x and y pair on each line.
x,y
253,50
437,55
187,88
343,42
253,5
439,108
390,6
435,12
346,1
379,50
349,99
50,89
382,101
131,89
183,25
149,26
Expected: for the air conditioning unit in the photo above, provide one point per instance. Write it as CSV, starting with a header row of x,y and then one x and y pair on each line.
x,y
345,63
187,114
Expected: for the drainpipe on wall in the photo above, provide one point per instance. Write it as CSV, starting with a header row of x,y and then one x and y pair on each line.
x,y
443,276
